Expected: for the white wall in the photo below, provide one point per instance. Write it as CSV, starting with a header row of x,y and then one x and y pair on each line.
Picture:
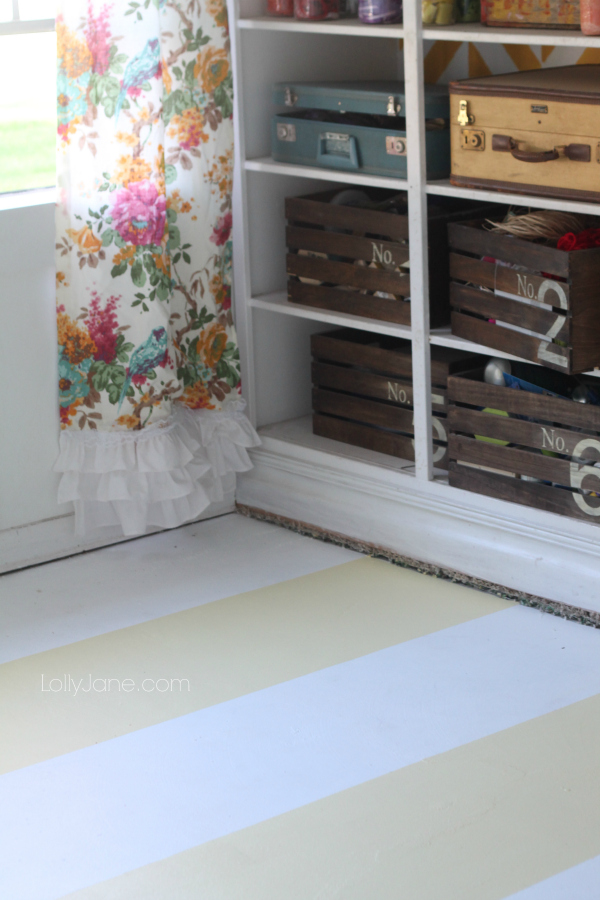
x,y
28,367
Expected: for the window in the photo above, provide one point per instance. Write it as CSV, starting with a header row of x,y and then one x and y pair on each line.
x,y
27,94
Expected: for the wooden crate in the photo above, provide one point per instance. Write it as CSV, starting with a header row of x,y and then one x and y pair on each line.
x,y
553,294
350,241
546,449
363,395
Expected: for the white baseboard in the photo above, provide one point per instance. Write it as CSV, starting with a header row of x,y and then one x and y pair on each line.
x,y
524,549
55,538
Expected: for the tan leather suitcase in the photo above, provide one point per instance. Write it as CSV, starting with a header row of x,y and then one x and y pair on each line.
x,y
533,132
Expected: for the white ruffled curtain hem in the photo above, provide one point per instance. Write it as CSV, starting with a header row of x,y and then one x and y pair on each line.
x,y
156,478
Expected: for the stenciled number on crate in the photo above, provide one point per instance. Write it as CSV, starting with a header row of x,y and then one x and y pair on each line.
x,y
438,452
526,289
396,393
549,442
383,255
579,472
543,352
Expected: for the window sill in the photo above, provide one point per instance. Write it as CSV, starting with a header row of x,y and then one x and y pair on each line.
x,y
21,199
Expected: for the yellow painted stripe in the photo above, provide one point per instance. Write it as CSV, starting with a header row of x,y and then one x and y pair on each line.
x,y
225,649
523,56
546,52
477,823
590,56
439,58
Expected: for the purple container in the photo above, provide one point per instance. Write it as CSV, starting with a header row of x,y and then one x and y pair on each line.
x,y
378,12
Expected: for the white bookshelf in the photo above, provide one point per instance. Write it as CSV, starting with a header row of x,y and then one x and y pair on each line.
x,y
404,505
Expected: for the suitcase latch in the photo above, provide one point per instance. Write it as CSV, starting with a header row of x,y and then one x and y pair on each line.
x,y
286,132
289,97
393,108
472,140
395,146
463,117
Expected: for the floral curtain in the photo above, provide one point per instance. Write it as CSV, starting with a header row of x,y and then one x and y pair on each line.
x,y
152,426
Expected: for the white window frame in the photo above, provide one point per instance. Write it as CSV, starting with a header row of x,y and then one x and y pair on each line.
x,y
25,26
34,196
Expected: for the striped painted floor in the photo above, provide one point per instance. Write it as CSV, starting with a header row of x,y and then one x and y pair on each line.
x,y
234,712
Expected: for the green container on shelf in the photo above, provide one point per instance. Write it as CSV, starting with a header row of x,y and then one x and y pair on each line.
x,y
468,10
440,12
356,127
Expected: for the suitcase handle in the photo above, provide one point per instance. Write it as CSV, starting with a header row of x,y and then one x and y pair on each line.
x,y
334,160
534,156
504,143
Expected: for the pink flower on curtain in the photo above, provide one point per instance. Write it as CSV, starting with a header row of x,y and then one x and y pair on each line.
x,y
139,213
222,230
102,326
98,37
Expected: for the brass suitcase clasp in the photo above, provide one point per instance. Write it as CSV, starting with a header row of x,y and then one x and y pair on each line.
x,y
472,140
463,117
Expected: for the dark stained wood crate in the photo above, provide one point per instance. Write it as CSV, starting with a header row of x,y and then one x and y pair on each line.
x,y
363,395
542,452
362,254
554,295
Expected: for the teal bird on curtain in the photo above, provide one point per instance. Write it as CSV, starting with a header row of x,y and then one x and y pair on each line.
x,y
138,70
145,358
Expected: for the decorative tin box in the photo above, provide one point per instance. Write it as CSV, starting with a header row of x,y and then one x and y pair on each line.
x,y
531,13
356,126
535,132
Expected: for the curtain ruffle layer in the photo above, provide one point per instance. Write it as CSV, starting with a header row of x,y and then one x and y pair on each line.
x,y
160,477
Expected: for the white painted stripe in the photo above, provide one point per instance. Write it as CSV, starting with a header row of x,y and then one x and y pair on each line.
x,y
74,599
582,882
99,812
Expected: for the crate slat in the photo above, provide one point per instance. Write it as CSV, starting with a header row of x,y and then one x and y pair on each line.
x,y
504,309
370,412
470,238
526,493
349,302
348,274
536,406
368,384
510,341
346,346
502,278
516,461
318,210
391,254
532,434
369,438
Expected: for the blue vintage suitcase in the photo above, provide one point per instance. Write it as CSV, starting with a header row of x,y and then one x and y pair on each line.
x,y
356,126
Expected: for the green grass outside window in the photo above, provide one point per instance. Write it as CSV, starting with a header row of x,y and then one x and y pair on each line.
x,y
27,155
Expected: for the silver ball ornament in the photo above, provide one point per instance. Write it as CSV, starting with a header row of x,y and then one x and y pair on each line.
x,y
494,371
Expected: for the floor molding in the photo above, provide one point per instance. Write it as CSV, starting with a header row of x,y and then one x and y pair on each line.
x,y
50,539
524,550
563,610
